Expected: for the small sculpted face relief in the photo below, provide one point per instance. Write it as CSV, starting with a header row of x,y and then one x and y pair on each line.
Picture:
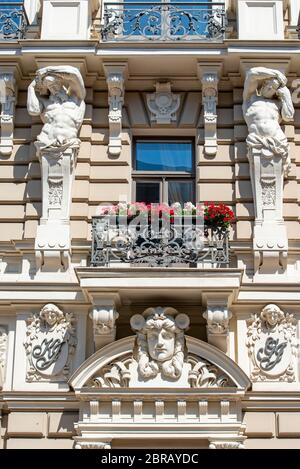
x,y
161,344
51,314
272,315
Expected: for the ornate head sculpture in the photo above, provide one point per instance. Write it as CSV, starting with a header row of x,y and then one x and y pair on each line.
x,y
51,315
272,315
160,341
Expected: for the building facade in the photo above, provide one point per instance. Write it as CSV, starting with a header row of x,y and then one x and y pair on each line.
x,y
109,339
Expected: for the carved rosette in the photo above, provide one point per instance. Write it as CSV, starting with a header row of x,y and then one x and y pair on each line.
x,y
272,345
163,104
50,344
8,93
3,352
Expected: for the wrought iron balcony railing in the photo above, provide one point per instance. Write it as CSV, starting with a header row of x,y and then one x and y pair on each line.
x,y
176,243
13,20
173,21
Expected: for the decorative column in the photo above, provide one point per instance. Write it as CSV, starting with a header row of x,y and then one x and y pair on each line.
x,y
266,102
57,95
115,76
8,96
104,315
209,76
217,315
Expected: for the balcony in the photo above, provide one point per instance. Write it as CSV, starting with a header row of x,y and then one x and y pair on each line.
x,y
13,20
179,243
174,21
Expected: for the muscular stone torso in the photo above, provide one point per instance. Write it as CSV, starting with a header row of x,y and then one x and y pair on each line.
x,y
263,116
60,121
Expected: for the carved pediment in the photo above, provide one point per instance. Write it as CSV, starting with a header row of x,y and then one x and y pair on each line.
x,y
115,366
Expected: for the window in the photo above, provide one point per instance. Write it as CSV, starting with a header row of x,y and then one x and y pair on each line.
x,y
164,171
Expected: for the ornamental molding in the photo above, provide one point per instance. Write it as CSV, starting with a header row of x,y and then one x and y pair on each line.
x,y
8,97
92,445
104,316
206,393
115,365
163,104
50,344
3,353
226,445
272,345
218,316
115,78
209,77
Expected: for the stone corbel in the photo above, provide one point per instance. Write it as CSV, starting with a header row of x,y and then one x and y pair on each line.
x,y
209,76
115,77
217,315
104,315
8,96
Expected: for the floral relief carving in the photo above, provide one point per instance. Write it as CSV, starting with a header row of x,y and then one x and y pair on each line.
x,y
163,104
50,344
272,345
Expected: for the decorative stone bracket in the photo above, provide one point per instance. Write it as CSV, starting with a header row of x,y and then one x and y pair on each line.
x,y
209,76
8,94
217,316
163,104
115,77
104,315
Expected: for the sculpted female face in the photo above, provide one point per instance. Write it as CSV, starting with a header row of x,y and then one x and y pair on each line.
x,y
50,316
161,344
272,316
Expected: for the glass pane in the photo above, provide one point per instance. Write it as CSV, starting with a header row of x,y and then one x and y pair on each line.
x,y
189,18
147,192
180,191
141,17
164,156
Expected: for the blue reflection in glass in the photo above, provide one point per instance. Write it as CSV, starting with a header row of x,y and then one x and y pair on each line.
x,y
164,156
168,19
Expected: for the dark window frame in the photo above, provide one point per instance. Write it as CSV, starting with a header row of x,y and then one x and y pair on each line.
x,y
163,176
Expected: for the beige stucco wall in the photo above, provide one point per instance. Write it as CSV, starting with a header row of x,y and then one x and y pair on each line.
x,y
43,430
100,178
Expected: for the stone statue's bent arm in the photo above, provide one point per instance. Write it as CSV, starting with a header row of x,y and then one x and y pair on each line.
x,y
34,103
